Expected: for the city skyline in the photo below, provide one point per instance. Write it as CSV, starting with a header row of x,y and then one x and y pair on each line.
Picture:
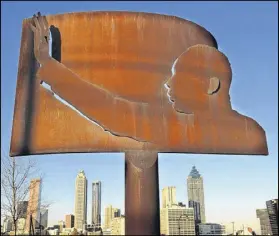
x,y
169,212
168,200
233,179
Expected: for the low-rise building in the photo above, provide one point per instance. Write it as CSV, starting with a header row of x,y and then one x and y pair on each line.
x,y
99,232
61,224
21,226
211,229
53,232
107,231
118,226
66,231
110,213
7,224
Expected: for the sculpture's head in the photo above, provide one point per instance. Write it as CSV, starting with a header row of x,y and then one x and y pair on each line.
x,y
201,80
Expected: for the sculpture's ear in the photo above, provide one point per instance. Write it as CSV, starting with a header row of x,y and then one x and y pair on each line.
x,y
214,85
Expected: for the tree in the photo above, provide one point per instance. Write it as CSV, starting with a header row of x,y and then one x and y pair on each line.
x,y
74,232
16,175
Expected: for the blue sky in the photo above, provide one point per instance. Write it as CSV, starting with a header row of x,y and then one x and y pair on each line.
x,y
247,32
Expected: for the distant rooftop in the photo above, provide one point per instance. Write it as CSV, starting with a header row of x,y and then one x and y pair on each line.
x,y
81,173
194,173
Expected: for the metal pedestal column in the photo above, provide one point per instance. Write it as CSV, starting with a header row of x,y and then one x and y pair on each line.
x,y
142,213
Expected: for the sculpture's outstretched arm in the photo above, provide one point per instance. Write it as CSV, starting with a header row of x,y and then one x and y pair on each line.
x,y
114,114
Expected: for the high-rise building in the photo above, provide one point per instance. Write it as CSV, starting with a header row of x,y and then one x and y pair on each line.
x,y
110,213
168,196
34,203
264,221
44,218
272,210
22,209
70,221
195,190
96,203
80,200
212,229
176,220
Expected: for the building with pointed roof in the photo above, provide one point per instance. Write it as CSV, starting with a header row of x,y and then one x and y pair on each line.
x,y
196,192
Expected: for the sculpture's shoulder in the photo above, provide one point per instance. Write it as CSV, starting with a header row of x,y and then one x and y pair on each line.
x,y
254,133
250,124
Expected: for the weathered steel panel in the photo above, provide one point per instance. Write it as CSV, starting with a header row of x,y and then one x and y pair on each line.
x,y
143,82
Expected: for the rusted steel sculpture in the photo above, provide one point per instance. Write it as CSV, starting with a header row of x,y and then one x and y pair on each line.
x,y
137,83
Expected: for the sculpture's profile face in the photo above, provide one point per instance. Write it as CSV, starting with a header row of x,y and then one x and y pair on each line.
x,y
186,98
201,74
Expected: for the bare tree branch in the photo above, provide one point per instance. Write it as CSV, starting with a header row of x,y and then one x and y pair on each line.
x,y
16,176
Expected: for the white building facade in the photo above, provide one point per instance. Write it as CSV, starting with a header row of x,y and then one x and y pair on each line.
x,y
176,220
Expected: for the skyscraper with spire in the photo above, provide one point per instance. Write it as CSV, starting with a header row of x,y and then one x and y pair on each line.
x,y
195,191
80,200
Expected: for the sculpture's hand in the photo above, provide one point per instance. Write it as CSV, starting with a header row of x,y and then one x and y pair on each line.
x,y
41,38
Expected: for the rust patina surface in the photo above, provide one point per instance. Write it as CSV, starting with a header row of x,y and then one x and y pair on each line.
x,y
142,82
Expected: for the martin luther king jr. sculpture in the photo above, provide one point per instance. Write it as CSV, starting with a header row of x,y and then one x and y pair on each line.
x,y
138,83
188,111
